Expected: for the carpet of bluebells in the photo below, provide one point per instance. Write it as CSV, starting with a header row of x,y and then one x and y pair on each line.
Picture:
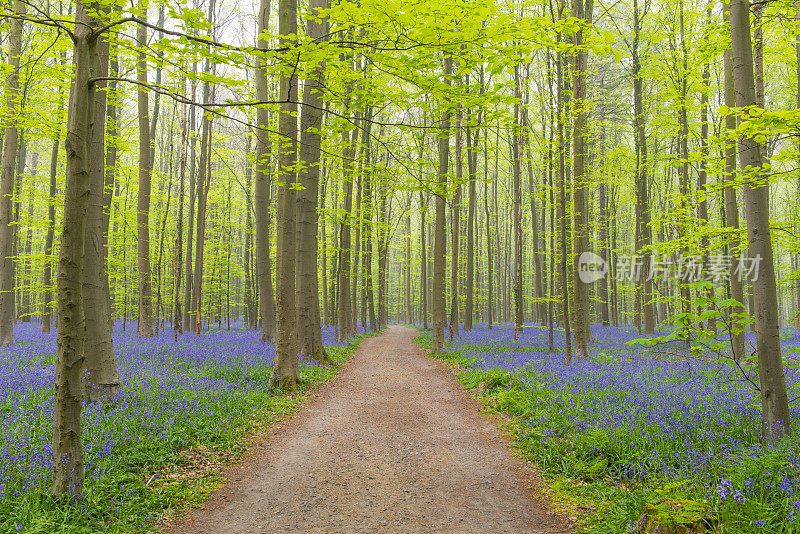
x,y
668,429
200,390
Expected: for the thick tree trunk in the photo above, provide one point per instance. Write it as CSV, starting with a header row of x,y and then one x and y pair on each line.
x,y
368,294
7,179
102,378
439,230
285,372
67,446
263,261
774,398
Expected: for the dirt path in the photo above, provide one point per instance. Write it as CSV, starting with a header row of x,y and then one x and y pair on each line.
x,y
392,444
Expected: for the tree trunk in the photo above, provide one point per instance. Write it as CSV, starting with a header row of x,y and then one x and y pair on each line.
x,y
562,179
439,230
7,179
266,298
285,372
455,223
102,378
47,275
203,185
112,132
423,264
368,294
67,446
143,202
774,398
345,242
177,322
309,323
580,150
193,180
517,198
251,316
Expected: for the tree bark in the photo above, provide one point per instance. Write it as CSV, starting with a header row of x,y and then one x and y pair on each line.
x,y
102,378
7,179
439,230
285,372
455,223
580,150
193,180
68,463
774,398
266,298
143,202
47,275
309,323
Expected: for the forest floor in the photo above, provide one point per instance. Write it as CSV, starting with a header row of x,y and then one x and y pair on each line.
x,y
392,444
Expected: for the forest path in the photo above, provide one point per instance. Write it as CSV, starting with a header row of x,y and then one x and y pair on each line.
x,y
392,444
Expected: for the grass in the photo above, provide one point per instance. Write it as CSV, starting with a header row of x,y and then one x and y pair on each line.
x,y
632,443
186,409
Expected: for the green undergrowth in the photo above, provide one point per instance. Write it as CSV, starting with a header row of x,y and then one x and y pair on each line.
x,y
164,476
579,468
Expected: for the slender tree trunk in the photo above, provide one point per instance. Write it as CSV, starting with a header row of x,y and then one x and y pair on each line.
x,y
562,179
251,316
368,294
774,398
112,134
27,296
580,150
489,295
47,275
455,221
143,202
702,191
345,242
10,146
263,260
177,323
797,191
469,302
439,230
203,185
193,180
423,264
517,196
